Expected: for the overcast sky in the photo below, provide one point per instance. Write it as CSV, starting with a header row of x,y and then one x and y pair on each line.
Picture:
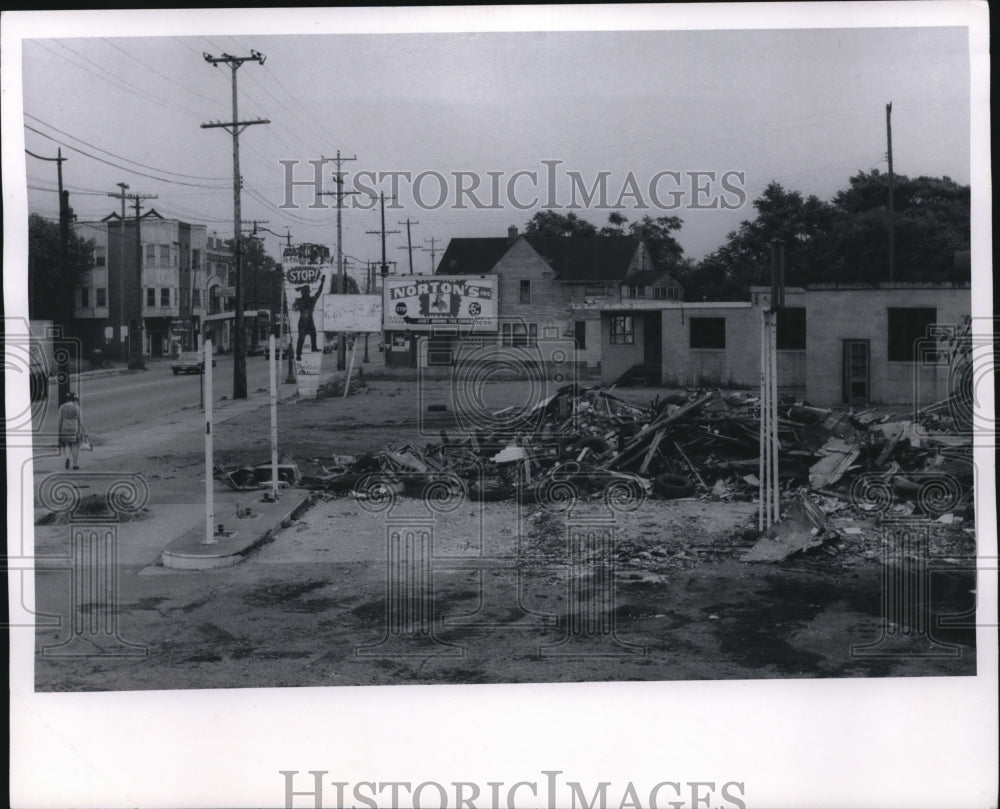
x,y
803,107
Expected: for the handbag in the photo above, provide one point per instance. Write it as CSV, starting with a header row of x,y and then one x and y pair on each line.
x,y
85,444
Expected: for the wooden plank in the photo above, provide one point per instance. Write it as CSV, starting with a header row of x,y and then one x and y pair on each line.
x,y
657,438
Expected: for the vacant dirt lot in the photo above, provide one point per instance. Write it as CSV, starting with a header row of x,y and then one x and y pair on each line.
x,y
363,593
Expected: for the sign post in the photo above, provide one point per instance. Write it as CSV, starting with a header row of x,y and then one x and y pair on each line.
x,y
209,465
273,369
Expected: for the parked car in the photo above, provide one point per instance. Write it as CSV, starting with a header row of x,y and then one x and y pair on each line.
x,y
284,347
190,362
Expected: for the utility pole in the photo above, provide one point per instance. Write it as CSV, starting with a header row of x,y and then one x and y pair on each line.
x,y
69,287
256,303
383,233
235,127
892,196
433,251
409,241
122,345
338,178
135,335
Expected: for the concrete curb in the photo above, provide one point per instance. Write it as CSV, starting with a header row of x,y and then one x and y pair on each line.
x,y
188,553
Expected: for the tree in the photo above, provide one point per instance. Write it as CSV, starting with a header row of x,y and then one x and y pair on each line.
x,y
550,223
664,249
932,223
49,292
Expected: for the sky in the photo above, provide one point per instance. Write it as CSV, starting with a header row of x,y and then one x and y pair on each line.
x,y
803,106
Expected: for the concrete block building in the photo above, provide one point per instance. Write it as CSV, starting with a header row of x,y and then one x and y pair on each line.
x,y
837,344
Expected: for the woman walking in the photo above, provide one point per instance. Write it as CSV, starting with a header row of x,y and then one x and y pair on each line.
x,y
71,429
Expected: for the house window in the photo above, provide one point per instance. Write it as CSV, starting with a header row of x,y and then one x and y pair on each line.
x,y
519,334
580,334
708,332
622,330
150,296
906,327
102,296
165,296
595,289
100,256
792,329
525,291
84,297
659,293
196,297
150,255
164,255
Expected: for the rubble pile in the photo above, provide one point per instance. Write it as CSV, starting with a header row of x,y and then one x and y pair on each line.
x,y
583,442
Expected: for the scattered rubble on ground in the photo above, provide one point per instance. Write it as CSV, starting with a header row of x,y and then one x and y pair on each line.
x,y
840,470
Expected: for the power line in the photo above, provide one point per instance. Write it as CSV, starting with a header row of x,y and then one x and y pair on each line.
x,y
126,159
160,73
115,165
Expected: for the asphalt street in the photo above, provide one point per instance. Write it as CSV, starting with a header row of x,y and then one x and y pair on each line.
x,y
134,398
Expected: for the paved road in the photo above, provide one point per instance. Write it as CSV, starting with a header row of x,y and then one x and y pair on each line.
x,y
122,400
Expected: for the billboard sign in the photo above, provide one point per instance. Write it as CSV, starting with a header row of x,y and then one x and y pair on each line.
x,y
424,302
304,291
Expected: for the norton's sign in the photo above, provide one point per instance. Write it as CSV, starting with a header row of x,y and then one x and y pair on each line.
x,y
441,300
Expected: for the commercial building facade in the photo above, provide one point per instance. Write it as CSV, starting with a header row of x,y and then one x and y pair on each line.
x,y
837,344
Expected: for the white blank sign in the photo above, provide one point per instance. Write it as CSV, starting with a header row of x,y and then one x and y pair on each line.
x,y
359,313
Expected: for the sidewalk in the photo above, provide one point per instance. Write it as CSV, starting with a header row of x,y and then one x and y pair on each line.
x,y
171,529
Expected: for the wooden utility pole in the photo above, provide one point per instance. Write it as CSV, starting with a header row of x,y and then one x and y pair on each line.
x,y
235,127
892,195
135,335
433,251
122,345
340,193
409,241
68,284
383,233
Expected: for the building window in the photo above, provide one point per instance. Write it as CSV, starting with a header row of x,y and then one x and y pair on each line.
x,y
100,256
659,293
196,297
906,327
102,296
792,329
164,255
580,334
165,296
519,334
525,291
150,255
150,296
622,330
708,332
595,289
84,297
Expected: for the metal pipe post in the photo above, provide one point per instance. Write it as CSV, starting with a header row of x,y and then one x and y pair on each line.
x,y
273,369
209,465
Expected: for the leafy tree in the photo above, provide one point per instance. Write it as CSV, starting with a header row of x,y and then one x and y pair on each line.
x,y
664,249
49,292
932,221
550,223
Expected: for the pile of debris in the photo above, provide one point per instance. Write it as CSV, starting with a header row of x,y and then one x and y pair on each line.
x,y
585,442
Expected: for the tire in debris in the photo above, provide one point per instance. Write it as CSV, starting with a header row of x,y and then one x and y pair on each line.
x,y
671,486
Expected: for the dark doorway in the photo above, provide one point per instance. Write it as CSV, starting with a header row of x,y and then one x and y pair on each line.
x,y
652,339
